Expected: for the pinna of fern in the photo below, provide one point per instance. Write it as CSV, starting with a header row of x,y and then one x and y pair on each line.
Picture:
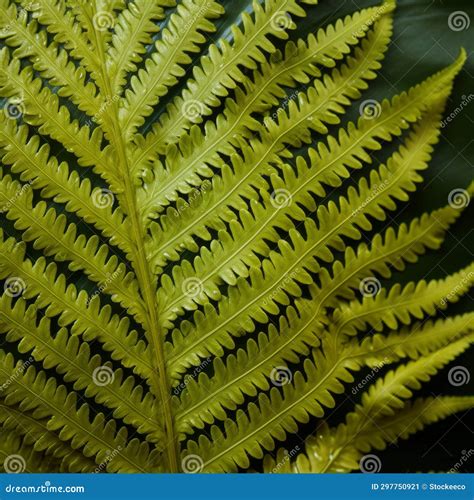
x,y
182,289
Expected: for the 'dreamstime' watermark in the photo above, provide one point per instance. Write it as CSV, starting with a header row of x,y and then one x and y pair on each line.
x,y
457,290
287,456
111,277
16,373
110,455
377,189
465,456
190,376
14,464
288,278
193,198
369,377
373,18
109,100
466,100
20,192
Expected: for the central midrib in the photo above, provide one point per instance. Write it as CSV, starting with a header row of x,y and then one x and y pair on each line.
x,y
144,277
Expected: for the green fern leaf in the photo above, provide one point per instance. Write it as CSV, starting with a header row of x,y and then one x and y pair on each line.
x,y
187,227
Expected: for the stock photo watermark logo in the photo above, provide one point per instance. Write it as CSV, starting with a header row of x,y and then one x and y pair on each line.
x,y
459,21
280,198
369,377
102,198
191,376
192,109
466,100
370,286
110,456
287,456
459,199
284,105
370,464
14,107
281,21
103,20
203,11
281,375
18,371
192,287
14,286
370,109
103,375
458,376
14,464
465,457
192,464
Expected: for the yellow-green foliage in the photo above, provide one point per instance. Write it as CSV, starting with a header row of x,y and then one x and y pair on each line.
x,y
181,288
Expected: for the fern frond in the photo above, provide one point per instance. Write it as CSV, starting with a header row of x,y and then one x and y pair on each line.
x,y
72,359
96,19
50,60
216,205
402,304
272,417
361,431
392,250
55,237
188,222
413,417
386,395
301,61
45,112
414,342
76,309
277,414
133,31
191,20
37,166
205,399
284,270
247,371
335,453
334,222
17,456
35,433
219,71
36,393
319,106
